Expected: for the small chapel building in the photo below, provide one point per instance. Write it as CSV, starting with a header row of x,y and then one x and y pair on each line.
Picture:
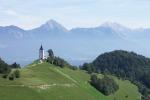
x,y
41,53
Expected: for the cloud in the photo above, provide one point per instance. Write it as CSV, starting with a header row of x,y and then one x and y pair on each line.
x,y
71,13
10,12
20,19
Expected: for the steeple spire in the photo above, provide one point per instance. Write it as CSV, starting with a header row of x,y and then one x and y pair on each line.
x,y
41,48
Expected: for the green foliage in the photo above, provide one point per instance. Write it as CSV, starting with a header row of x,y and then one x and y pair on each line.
x,y
146,79
50,53
5,76
144,90
11,77
4,67
88,67
17,73
15,65
105,85
127,65
50,60
51,56
58,61
60,84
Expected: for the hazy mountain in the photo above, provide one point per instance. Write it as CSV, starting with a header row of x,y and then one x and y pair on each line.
x,y
50,28
75,45
11,32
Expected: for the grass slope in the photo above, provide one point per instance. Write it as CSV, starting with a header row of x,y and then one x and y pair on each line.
x,y
48,82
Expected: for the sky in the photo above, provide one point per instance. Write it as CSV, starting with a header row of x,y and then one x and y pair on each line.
x,y
29,14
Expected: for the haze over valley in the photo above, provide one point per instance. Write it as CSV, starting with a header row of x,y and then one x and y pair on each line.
x,y
76,45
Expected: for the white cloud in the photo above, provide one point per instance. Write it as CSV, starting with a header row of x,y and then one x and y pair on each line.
x,y
10,12
21,20
28,14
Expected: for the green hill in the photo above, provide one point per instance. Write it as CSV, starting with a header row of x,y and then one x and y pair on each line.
x,y
42,81
126,65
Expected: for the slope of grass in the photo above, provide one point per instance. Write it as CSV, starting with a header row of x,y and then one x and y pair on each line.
x,y
48,82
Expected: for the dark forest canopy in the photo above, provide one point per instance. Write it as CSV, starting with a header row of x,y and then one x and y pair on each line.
x,y
52,59
124,64
6,68
106,85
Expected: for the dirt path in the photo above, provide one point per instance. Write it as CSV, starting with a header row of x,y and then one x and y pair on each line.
x,y
41,86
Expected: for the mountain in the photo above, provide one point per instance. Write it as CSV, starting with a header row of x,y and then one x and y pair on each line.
x,y
119,29
12,32
75,45
43,81
50,28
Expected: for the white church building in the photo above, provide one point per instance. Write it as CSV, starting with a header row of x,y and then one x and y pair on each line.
x,y
41,53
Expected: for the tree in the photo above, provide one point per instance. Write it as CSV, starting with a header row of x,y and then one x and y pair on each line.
x,y
58,61
61,62
17,74
93,79
50,53
4,67
15,65
105,85
88,67
5,76
11,77
50,56
125,65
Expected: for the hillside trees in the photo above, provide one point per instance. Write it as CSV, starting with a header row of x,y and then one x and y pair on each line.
x,y
15,65
51,56
52,59
4,67
7,72
17,74
126,65
105,85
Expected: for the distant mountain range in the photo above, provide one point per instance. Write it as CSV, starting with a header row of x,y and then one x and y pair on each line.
x,y
78,44
53,28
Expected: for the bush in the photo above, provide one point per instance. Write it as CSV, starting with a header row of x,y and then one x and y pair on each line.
x,y
5,76
17,73
74,67
15,65
4,67
11,77
105,85
88,67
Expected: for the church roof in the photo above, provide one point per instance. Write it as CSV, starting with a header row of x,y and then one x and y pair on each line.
x,y
41,48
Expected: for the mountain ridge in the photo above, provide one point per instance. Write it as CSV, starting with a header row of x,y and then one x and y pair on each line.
x,y
89,40
52,27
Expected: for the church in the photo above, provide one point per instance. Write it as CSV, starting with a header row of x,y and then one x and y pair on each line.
x,y
41,53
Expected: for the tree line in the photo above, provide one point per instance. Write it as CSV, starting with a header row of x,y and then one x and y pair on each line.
x,y
52,59
6,70
106,85
125,65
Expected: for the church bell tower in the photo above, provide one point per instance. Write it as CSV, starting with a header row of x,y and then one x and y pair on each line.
x,y
41,53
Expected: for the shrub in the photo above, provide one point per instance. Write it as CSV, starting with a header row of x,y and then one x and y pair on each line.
x,y
17,74
15,65
5,76
11,77
105,85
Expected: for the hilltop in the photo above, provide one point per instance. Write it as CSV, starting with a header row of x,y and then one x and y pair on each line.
x,y
126,65
43,81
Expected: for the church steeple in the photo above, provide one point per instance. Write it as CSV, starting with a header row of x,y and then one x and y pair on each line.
x,y
41,53
41,48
